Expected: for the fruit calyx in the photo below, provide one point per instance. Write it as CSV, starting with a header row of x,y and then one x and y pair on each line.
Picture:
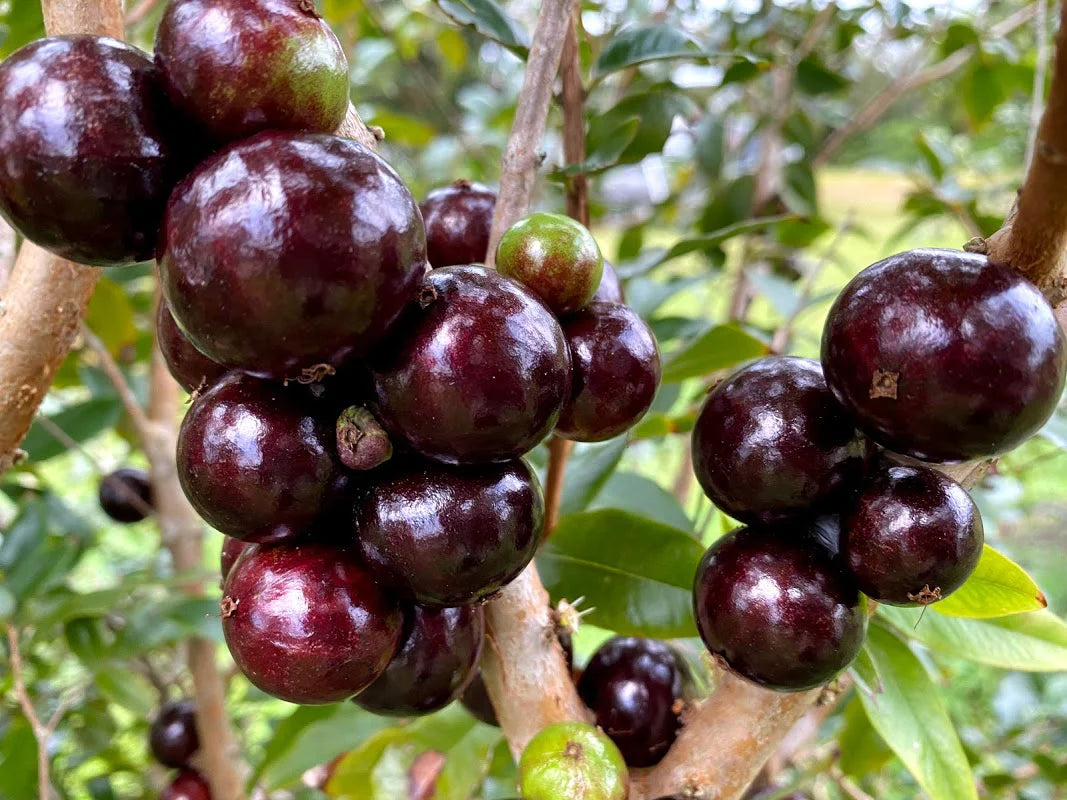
x,y
362,442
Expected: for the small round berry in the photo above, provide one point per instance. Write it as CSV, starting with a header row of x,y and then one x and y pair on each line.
x,y
126,495
187,785
555,256
610,288
458,219
572,760
231,551
173,738
771,442
912,537
193,371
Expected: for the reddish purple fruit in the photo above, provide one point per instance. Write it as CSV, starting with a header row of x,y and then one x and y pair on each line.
x,y
187,785
173,738
610,288
273,263
634,687
555,256
231,551
256,459
615,372
126,495
238,67
308,623
450,536
438,657
944,356
912,537
458,218
188,366
774,607
87,162
771,442
477,370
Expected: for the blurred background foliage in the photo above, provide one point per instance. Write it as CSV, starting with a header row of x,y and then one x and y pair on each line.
x,y
748,158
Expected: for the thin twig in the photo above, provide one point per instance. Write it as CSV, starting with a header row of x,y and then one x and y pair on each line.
x,y
1037,94
140,12
118,381
41,732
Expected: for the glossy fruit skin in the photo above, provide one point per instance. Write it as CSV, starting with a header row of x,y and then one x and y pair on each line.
x,y
478,374
610,289
634,687
230,552
188,366
911,528
257,460
450,536
308,623
438,657
187,785
173,738
87,161
125,495
458,218
239,67
555,256
572,760
771,442
615,372
316,279
776,609
944,356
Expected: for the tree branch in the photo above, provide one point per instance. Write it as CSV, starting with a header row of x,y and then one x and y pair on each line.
x,y
41,732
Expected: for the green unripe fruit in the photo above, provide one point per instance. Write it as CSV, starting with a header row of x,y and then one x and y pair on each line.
x,y
555,257
572,760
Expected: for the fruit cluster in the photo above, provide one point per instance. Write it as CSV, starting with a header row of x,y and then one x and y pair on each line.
x,y
928,356
174,741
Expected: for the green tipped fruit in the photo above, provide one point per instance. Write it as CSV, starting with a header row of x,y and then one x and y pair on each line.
x,y
555,257
572,760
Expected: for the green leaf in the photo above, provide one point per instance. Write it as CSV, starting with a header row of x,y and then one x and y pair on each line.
x,y
930,157
742,72
722,235
720,347
488,18
863,751
813,77
635,46
21,25
1033,642
710,145
128,690
467,763
655,109
996,588
80,422
110,317
636,573
403,128
588,469
982,91
607,152
628,491
910,716
799,192
42,545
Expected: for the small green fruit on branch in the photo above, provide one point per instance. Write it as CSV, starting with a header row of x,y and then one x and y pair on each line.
x,y
362,442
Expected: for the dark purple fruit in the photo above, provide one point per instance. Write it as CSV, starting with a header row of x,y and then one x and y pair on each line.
x,y
477,371
776,609
438,657
273,262
555,256
238,67
87,162
231,551
126,495
449,536
188,366
944,356
615,372
912,537
634,687
173,738
308,623
610,288
458,218
256,460
771,442
187,785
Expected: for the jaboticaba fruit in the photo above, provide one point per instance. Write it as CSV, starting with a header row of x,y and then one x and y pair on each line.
x,y
912,537
126,495
286,252
173,738
615,372
572,760
438,657
771,442
308,623
230,552
555,256
238,67
87,164
634,686
610,288
189,367
944,356
458,219
256,460
776,609
477,370
187,785
448,536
